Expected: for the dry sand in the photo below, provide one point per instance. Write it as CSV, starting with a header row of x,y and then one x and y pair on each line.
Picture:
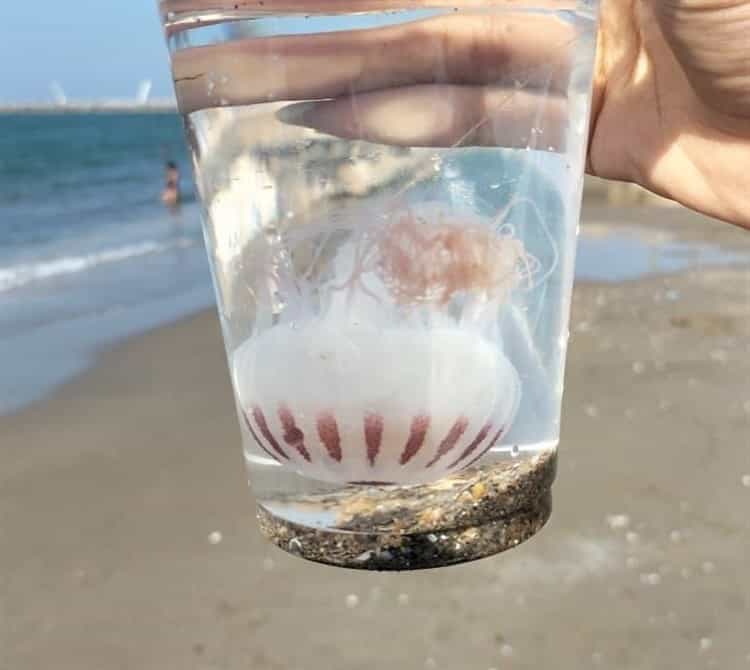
x,y
128,538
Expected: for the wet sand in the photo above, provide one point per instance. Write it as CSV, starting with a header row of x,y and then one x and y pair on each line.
x,y
129,539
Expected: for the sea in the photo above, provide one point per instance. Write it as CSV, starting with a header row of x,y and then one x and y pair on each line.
x,y
88,253
89,256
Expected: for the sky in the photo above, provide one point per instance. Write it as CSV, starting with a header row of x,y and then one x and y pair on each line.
x,y
93,48
96,48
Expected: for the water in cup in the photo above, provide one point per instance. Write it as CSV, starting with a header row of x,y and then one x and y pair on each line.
x,y
391,202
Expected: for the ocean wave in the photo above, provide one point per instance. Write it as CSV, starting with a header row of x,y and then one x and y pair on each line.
x,y
15,276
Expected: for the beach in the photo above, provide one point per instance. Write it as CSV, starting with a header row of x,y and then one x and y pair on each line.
x,y
129,538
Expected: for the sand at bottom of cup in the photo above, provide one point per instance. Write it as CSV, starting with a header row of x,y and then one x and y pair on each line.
x,y
464,517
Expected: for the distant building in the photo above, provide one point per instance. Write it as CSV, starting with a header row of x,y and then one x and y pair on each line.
x,y
142,101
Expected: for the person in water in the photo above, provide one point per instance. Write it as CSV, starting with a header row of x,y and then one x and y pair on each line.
x,y
170,196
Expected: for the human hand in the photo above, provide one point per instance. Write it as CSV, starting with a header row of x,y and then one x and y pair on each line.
x,y
670,106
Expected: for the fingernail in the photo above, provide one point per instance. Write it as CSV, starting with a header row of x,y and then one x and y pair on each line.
x,y
296,114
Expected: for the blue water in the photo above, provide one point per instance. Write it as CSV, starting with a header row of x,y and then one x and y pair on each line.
x,y
88,254
625,254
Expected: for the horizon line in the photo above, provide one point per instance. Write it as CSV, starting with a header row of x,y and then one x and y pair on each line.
x,y
165,104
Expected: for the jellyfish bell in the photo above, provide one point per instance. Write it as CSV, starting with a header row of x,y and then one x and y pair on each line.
x,y
359,404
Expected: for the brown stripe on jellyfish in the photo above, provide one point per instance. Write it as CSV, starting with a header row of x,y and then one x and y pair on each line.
x,y
293,436
470,449
373,436
419,426
260,420
328,432
257,439
492,443
451,439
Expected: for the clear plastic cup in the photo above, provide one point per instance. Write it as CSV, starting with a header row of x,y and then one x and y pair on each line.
x,y
391,196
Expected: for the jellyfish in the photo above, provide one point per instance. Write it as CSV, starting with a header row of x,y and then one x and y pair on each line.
x,y
391,378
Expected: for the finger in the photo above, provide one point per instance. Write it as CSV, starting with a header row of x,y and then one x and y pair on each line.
x,y
458,49
439,116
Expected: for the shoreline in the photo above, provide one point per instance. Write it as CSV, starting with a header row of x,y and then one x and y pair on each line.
x,y
89,314
130,539
101,357
599,222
